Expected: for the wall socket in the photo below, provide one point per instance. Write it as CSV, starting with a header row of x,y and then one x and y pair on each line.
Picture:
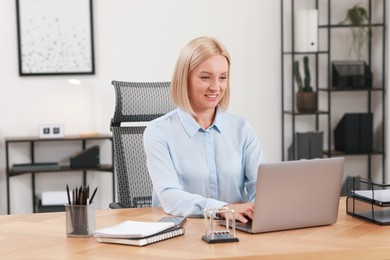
x,y
51,131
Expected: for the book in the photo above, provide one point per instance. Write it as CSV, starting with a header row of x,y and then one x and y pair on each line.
x,y
134,229
167,234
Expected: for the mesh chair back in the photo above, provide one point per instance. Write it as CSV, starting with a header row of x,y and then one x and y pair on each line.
x,y
135,102
141,101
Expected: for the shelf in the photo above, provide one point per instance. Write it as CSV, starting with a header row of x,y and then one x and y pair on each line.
x,y
330,115
101,168
326,26
66,138
350,89
341,153
304,52
296,113
33,167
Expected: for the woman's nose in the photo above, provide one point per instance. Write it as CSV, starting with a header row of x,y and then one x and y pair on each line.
x,y
214,85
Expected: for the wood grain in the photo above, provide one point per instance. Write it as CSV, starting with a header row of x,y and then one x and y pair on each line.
x,y
37,236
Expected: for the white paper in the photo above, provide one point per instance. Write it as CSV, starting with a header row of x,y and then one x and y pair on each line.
x,y
54,198
133,229
377,195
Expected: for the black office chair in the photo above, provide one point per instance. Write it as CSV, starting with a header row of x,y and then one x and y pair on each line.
x,y
136,103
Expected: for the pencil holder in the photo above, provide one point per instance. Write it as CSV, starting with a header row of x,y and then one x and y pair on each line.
x,y
80,220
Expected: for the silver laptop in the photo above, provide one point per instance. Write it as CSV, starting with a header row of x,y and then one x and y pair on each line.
x,y
296,194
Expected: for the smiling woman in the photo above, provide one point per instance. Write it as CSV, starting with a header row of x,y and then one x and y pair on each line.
x,y
207,84
191,56
199,156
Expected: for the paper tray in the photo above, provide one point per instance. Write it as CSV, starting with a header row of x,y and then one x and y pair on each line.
x,y
367,211
369,201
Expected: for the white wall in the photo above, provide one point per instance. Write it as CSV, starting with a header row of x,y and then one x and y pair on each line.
x,y
139,41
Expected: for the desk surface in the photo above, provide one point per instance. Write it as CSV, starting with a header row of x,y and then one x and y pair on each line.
x,y
37,236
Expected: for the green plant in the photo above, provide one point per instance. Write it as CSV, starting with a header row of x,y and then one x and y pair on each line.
x,y
306,86
357,16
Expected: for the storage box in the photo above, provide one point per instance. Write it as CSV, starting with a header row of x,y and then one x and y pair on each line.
x,y
351,75
369,201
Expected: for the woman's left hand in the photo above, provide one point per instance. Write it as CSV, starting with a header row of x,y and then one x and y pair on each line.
x,y
242,211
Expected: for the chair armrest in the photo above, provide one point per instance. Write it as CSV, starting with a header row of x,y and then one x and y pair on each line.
x,y
115,205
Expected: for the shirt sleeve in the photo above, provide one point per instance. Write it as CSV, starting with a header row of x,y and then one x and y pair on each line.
x,y
253,157
174,200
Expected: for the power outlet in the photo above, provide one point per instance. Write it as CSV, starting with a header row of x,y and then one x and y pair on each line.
x,y
51,131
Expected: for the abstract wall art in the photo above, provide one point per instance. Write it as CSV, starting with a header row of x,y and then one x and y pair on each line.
x,y
55,37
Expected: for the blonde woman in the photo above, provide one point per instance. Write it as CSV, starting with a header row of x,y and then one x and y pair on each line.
x,y
200,156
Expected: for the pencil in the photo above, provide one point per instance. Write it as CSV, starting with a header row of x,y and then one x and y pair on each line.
x,y
93,195
67,191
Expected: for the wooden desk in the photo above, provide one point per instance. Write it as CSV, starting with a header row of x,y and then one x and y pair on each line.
x,y
37,236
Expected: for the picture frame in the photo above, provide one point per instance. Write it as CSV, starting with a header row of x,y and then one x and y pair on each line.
x,y
55,37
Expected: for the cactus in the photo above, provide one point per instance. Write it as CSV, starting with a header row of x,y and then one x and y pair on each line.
x,y
298,78
306,87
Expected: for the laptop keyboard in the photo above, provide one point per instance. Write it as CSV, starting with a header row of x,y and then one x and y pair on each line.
x,y
246,225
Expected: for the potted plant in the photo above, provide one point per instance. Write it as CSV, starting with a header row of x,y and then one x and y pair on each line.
x,y
357,16
306,97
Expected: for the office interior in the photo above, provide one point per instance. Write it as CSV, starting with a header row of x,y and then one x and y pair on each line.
x,y
139,41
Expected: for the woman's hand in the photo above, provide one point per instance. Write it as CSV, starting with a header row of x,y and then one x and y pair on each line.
x,y
242,211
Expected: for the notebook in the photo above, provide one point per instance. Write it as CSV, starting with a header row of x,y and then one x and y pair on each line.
x,y
134,229
167,234
296,194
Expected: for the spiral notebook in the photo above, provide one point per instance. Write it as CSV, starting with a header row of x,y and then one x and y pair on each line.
x,y
167,234
134,229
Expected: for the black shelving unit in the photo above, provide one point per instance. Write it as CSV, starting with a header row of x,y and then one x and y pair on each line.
x,y
31,143
290,116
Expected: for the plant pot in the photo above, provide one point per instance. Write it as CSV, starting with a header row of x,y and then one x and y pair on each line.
x,y
307,101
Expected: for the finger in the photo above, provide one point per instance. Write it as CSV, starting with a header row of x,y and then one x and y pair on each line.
x,y
249,214
241,218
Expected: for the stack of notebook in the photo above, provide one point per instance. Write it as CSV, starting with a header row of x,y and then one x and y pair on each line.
x,y
138,233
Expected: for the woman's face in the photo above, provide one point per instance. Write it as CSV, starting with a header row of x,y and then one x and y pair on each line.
x,y
207,83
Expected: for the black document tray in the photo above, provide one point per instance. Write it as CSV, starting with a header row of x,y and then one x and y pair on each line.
x,y
369,201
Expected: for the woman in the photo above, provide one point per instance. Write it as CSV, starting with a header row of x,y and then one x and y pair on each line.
x,y
198,155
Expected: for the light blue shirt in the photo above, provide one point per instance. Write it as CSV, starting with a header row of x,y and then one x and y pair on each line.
x,y
194,168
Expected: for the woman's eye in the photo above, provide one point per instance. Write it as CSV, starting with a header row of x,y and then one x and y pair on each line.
x,y
223,78
204,77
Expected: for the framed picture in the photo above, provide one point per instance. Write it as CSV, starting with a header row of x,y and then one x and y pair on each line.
x,y
55,37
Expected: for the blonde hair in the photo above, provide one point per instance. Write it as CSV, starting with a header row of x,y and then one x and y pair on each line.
x,y
193,54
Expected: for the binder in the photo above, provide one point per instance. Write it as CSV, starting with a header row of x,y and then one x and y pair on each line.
x,y
354,133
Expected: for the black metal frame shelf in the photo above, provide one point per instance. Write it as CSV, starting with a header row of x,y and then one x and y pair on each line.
x,y
340,153
31,141
305,52
350,89
101,168
296,113
350,26
288,56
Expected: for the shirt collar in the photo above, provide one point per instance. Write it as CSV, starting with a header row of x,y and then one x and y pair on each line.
x,y
192,127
